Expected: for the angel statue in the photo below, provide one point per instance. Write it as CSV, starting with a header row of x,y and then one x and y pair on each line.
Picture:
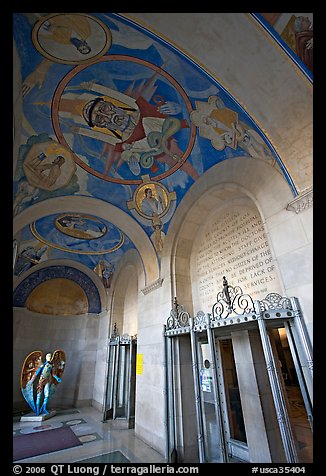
x,y
39,379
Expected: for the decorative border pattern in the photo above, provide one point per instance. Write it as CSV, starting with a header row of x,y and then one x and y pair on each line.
x,y
24,289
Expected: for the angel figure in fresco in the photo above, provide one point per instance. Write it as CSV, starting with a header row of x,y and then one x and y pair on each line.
x,y
158,236
39,379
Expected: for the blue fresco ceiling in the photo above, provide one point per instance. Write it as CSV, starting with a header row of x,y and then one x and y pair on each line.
x,y
112,111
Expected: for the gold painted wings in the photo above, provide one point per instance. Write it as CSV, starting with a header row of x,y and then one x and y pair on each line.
x,y
31,364
58,360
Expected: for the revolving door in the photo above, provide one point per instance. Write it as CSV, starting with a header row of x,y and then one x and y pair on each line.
x,y
252,370
121,381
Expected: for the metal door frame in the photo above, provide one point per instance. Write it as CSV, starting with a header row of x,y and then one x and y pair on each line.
x,y
236,310
114,357
233,447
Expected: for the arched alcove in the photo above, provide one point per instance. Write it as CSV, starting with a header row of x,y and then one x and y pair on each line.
x,y
104,210
232,243
213,234
77,269
239,180
58,296
59,304
48,273
128,280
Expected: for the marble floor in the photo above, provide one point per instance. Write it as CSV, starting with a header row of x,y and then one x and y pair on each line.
x,y
105,443
100,441
300,424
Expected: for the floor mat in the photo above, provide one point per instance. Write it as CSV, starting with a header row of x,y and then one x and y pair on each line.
x,y
40,442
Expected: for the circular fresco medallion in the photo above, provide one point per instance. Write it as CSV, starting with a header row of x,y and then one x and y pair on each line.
x,y
151,200
71,38
123,117
78,233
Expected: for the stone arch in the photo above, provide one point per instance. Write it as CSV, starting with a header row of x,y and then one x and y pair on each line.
x,y
105,210
39,276
130,269
233,179
72,264
129,277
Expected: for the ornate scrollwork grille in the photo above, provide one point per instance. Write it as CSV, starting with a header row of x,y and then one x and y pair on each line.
x,y
200,319
274,301
178,317
231,300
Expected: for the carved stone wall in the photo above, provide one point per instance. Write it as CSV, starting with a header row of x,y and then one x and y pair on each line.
x,y
233,243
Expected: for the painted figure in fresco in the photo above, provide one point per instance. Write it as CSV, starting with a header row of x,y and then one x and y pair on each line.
x,y
303,29
231,133
44,377
158,235
45,174
134,130
105,271
67,30
26,193
47,164
221,125
90,229
150,205
30,256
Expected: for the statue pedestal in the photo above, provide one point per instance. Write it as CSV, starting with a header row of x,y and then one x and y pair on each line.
x,y
34,417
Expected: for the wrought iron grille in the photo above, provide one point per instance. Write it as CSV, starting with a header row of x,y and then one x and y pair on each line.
x,y
178,317
274,301
231,300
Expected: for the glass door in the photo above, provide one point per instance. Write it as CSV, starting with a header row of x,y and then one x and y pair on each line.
x,y
210,406
232,394
122,379
224,431
112,350
231,401
252,383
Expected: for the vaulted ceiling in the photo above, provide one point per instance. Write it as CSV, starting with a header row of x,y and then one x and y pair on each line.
x,y
115,125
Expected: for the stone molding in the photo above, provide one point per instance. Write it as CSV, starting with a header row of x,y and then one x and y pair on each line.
x,y
301,202
154,285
